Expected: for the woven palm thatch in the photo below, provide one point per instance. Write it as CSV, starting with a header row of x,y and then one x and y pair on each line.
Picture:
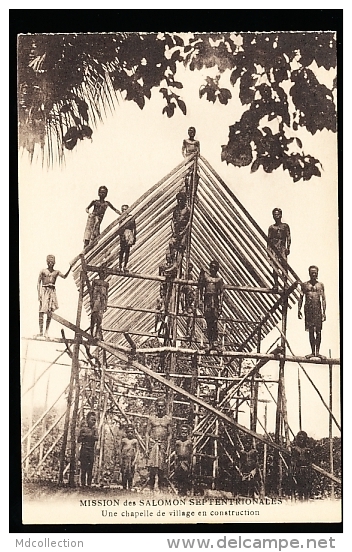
x,y
221,229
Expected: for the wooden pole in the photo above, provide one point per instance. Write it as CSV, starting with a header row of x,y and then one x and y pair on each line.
x,y
75,369
281,415
101,435
179,281
331,442
299,399
265,452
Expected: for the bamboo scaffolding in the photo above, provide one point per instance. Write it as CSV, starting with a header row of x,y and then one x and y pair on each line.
x,y
35,380
45,413
48,431
117,352
331,445
178,281
328,361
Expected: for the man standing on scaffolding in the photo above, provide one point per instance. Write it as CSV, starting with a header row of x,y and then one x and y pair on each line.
x,y
211,289
99,303
279,243
47,293
314,309
179,225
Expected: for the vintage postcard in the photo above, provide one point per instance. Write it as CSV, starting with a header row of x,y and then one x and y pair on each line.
x,y
179,278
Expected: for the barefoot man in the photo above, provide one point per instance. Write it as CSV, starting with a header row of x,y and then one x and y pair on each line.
x,y
314,309
279,243
158,439
47,293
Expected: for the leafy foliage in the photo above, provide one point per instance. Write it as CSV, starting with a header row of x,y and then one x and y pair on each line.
x,y
66,83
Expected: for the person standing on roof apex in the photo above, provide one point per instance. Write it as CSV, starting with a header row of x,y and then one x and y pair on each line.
x,y
127,239
211,289
190,145
279,243
47,294
95,218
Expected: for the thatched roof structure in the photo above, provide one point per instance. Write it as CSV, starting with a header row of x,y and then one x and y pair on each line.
x,y
222,229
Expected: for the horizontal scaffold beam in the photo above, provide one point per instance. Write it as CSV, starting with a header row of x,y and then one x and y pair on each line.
x,y
238,354
116,351
49,339
179,281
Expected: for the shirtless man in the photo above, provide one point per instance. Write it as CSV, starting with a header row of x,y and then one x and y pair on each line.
x,y
169,270
157,442
88,436
127,239
279,243
47,293
128,454
211,288
95,218
250,473
187,301
190,145
314,309
183,461
179,225
99,304
301,465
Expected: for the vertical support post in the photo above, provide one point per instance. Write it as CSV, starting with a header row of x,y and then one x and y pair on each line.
x,y
192,197
265,452
66,425
281,408
331,449
75,369
255,391
299,399
196,419
101,435
237,400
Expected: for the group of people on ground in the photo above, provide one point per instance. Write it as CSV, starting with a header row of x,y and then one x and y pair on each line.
x,y
158,449
158,441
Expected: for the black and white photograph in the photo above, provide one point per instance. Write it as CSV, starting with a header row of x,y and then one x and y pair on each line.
x,y
179,277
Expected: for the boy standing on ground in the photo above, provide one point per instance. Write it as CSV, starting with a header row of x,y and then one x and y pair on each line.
x,y
129,448
183,461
